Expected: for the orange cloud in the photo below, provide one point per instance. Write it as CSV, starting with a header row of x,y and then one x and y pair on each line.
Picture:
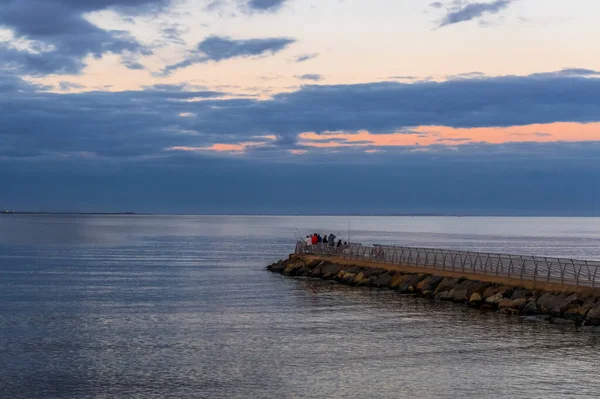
x,y
443,135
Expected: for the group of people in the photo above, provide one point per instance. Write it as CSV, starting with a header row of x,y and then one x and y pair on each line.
x,y
328,240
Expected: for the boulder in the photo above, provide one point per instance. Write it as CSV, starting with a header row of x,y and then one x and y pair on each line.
x,y
563,304
409,284
445,295
277,267
302,271
447,284
579,312
291,268
504,303
518,294
313,263
593,316
329,270
494,299
370,271
463,290
494,290
360,279
517,303
344,277
530,309
429,283
383,280
547,301
318,270
475,299
398,279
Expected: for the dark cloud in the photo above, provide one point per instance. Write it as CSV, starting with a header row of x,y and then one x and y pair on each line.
x,y
217,48
310,76
265,5
436,4
306,57
62,37
133,124
471,11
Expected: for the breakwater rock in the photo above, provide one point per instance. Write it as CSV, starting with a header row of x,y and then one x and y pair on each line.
x,y
557,307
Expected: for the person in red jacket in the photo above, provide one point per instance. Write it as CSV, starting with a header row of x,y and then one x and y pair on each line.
x,y
314,239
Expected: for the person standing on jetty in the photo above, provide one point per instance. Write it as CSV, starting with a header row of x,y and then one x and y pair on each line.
x,y
315,240
308,240
331,240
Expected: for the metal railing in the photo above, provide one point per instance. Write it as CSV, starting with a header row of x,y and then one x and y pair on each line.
x,y
534,268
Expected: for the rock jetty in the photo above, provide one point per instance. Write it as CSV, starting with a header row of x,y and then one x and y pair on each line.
x,y
577,308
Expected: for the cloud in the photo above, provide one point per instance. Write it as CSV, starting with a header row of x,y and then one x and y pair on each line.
x,y
436,4
65,86
265,5
306,57
218,48
310,76
143,123
60,35
472,11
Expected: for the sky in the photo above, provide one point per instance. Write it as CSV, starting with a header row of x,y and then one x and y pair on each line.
x,y
471,107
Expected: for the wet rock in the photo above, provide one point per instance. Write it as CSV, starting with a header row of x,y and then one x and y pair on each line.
x,y
479,287
277,267
314,263
493,290
517,303
447,284
563,303
398,280
370,272
360,279
291,267
504,303
593,316
302,271
518,294
579,312
352,269
383,280
530,309
329,270
409,284
317,271
344,277
494,299
475,299
548,301
429,283
445,295
462,290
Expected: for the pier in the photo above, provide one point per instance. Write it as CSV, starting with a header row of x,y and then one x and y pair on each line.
x,y
560,290
536,269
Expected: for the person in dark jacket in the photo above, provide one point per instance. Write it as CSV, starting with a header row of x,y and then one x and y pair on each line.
x,y
331,240
339,244
325,239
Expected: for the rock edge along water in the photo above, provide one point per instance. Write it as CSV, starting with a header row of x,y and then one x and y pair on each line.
x,y
557,307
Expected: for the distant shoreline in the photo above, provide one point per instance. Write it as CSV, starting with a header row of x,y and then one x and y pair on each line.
x,y
71,213
294,214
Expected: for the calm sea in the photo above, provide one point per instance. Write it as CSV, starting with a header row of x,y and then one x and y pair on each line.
x,y
180,307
